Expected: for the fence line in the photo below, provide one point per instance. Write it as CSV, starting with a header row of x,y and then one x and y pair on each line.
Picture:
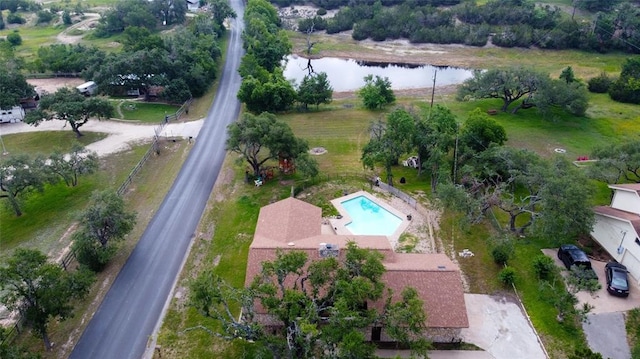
x,y
71,256
52,74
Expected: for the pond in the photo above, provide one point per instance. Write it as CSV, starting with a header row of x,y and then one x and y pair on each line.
x,y
348,74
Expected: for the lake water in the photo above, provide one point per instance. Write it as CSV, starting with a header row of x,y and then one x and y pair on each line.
x,y
348,75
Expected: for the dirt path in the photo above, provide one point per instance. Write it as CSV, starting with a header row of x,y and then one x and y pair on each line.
x,y
65,38
121,134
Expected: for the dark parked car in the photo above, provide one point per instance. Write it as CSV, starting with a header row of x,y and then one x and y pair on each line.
x,y
617,282
571,255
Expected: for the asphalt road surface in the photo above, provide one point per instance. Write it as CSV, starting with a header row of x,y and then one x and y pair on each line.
x,y
124,322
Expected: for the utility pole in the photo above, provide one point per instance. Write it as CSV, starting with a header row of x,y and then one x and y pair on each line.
x,y
433,90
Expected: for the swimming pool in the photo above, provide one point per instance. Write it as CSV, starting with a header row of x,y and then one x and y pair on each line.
x,y
368,218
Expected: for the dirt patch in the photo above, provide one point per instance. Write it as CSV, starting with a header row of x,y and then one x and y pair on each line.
x,y
51,85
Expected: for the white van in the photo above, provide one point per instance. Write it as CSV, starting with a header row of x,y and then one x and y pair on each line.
x,y
15,114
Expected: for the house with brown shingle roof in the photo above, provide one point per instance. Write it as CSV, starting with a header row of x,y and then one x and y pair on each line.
x,y
617,227
292,224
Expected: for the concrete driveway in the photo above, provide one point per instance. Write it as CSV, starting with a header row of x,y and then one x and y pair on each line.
x,y
602,301
499,326
604,329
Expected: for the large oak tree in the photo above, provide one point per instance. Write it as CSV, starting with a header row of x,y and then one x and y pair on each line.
x,y
262,138
71,106
42,291
318,307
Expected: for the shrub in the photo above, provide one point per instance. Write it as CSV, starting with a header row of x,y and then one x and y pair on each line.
x,y
544,266
502,251
66,18
600,84
321,11
507,275
14,38
44,16
15,19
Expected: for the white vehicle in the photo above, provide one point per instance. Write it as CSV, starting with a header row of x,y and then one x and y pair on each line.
x,y
15,114
88,88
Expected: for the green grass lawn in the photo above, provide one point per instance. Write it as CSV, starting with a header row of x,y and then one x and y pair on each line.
x,y
146,112
46,142
48,214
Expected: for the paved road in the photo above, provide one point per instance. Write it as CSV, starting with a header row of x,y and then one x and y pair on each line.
x,y
132,308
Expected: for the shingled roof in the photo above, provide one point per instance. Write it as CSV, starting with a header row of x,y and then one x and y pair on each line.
x,y
292,224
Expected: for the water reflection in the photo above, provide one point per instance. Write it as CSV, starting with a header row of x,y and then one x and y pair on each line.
x,y
347,74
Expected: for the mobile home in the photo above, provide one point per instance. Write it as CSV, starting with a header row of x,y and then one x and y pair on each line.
x,y
15,114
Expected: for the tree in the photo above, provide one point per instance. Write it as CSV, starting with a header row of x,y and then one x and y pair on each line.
x,y
434,137
509,85
567,75
102,225
616,163
221,11
169,11
20,175
551,197
252,134
42,291
570,96
136,38
376,93
14,38
315,89
9,350
273,95
263,37
71,106
319,306
389,140
68,166
627,87
480,132
14,87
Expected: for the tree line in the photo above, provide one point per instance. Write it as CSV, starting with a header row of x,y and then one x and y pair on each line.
x,y
29,284
506,23
183,63
264,87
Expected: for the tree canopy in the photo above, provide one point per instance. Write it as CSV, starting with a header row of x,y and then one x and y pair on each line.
x,y
41,290
616,163
102,225
389,140
19,175
14,87
262,138
70,165
71,106
376,92
319,306
509,85
550,196
315,89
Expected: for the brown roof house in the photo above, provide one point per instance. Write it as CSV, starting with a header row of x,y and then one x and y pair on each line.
x,y
292,224
617,227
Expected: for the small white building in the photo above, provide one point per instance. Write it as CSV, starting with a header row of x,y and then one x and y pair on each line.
x,y
193,5
617,227
88,88
14,114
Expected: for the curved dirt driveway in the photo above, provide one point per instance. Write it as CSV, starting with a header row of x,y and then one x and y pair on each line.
x,y
65,38
121,134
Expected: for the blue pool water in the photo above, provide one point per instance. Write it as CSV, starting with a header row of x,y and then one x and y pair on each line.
x,y
368,218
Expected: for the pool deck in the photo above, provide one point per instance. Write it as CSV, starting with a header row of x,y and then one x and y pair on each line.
x,y
339,224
